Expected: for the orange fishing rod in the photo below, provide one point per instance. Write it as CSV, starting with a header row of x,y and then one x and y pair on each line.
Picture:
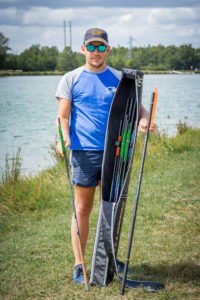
x,y
150,119
154,106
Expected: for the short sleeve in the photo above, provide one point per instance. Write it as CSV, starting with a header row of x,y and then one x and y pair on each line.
x,y
64,87
66,83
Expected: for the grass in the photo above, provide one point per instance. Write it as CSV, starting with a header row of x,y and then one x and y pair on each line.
x,y
36,258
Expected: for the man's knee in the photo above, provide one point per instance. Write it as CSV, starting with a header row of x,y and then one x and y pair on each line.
x,y
83,210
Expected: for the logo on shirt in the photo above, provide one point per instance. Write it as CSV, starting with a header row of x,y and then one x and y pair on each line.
x,y
111,89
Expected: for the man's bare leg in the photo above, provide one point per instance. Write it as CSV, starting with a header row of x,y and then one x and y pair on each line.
x,y
84,199
99,184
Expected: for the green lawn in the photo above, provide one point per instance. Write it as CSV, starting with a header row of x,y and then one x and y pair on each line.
x,y
36,258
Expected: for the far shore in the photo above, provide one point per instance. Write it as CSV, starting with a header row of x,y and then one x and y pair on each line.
x,y
4,73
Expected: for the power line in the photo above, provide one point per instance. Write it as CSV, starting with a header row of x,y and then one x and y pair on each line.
x,y
70,33
64,24
131,39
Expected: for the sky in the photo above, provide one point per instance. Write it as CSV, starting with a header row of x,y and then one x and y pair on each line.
x,y
147,22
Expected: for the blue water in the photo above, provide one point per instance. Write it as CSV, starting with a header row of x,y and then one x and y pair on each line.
x,y
28,109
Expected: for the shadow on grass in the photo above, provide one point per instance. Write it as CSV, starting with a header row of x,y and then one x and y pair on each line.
x,y
180,272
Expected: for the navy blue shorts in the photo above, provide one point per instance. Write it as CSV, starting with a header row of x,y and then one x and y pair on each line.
x,y
86,167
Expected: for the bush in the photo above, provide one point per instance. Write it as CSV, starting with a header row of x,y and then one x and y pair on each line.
x,y
181,127
12,172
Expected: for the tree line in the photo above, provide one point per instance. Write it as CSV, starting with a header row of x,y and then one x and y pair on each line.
x,y
37,58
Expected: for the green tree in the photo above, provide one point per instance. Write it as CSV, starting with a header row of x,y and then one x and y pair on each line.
x,y
171,58
117,57
69,60
135,62
30,59
197,55
155,59
39,59
49,56
186,56
158,57
3,49
11,62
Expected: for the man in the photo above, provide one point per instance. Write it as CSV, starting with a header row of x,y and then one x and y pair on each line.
x,y
84,96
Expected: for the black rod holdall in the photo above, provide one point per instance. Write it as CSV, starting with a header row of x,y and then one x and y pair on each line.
x,y
118,156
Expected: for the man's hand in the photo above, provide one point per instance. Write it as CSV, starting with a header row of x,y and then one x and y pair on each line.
x,y
67,145
143,125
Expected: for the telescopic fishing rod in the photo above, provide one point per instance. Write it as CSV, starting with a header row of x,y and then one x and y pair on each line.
x,y
129,138
122,157
125,146
118,156
73,205
120,161
116,160
150,122
127,153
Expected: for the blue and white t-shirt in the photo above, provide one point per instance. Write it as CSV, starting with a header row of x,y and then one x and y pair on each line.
x,y
91,95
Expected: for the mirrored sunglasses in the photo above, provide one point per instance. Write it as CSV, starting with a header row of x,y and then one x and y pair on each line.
x,y
100,48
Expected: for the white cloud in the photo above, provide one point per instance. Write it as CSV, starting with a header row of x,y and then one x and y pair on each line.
x,y
152,26
125,19
176,15
46,16
8,15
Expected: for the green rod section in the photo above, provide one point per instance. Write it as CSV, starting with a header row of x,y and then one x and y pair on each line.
x,y
123,144
128,136
61,137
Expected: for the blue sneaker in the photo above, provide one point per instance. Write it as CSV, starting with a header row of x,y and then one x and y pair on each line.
x,y
121,267
78,274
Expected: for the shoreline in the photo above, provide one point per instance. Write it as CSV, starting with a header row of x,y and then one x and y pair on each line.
x,y
4,73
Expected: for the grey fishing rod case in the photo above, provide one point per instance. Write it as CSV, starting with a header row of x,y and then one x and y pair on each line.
x,y
112,211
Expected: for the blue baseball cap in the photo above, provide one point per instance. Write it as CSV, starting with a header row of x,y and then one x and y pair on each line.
x,y
96,34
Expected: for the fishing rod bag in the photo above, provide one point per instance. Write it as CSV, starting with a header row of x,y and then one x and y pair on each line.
x,y
112,209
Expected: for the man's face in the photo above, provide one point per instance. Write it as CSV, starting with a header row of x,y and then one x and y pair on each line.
x,y
96,59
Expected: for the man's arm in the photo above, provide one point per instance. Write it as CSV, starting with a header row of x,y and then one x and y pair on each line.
x,y
64,110
144,120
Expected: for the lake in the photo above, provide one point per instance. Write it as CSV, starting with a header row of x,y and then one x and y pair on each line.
x,y
28,109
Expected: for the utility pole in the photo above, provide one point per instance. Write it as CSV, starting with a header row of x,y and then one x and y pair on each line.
x,y
70,34
64,33
131,39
